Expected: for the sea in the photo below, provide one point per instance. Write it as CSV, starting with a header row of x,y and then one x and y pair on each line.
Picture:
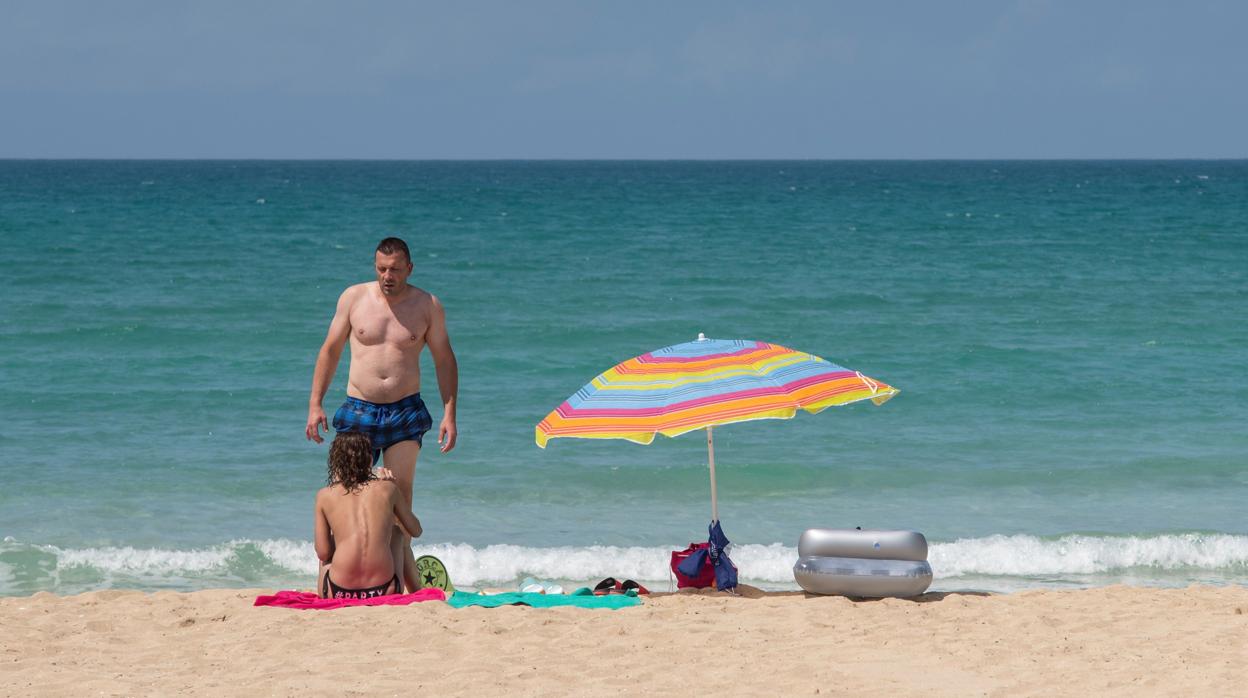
x,y
1068,337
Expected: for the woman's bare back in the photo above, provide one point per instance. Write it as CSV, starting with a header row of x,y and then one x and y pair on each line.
x,y
361,523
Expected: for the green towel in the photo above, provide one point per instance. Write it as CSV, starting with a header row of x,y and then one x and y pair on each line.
x,y
460,599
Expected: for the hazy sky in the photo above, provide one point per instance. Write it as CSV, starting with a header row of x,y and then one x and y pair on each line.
x,y
625,79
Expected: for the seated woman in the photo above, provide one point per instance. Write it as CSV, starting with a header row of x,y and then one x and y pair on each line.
x,y
355,524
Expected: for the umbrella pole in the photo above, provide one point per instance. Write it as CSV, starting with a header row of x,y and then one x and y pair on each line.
x,y
710,450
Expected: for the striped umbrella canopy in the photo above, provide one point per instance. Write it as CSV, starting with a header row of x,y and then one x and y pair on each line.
x,y
703,384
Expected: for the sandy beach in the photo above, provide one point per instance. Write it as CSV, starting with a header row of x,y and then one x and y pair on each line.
x,y
1105,641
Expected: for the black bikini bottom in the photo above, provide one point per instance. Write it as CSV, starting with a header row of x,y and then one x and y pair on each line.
x,y
330,590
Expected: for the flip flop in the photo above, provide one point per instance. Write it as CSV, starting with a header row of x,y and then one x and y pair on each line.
x,y
433,574
633,588
606,586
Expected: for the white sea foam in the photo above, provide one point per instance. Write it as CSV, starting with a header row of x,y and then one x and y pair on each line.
x,y
1021,556
296,556
496,564
471,566
152,561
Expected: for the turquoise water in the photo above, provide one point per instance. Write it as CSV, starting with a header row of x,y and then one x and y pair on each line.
x,y
1068,338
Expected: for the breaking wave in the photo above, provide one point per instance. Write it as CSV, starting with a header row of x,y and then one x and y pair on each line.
x,y
1088,559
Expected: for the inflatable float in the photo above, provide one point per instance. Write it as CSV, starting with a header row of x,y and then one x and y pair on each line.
x,y
854,562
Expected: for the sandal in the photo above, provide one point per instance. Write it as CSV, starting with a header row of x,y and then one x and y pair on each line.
x,y
632,588
606,586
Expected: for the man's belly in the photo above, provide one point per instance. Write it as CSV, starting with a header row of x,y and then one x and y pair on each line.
x,y
379,378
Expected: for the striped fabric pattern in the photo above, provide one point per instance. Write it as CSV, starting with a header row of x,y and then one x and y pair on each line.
x,y
707,382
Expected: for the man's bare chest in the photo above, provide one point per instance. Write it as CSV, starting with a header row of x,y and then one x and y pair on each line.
x,y
404,327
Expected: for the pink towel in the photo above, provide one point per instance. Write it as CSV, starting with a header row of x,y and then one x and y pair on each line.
x,y
307,599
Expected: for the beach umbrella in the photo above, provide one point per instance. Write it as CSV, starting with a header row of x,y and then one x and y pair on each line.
x,y
703,384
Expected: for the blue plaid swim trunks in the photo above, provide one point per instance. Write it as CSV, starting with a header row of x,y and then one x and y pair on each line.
x,y
385,424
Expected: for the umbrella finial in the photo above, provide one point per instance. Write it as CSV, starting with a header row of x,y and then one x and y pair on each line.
x,y
701,337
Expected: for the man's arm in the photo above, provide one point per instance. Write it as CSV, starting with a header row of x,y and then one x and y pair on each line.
x,y
408,520
327,363
323,538
439,343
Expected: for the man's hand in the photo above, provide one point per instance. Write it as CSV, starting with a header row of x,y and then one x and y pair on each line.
x,y
447,434
382,473
316,420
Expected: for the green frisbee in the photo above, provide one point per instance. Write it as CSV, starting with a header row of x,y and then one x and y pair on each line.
x,y
433,574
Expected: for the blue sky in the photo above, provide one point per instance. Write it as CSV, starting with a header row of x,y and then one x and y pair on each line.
x,y
284,79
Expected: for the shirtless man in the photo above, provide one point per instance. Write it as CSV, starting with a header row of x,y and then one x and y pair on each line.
x,y
388,324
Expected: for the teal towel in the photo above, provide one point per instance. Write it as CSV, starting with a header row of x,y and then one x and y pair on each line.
x,y
460,599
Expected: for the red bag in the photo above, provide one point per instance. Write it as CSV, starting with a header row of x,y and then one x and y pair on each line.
x,y
706,573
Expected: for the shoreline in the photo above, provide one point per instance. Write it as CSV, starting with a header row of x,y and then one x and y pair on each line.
x,y
992,563
1106,640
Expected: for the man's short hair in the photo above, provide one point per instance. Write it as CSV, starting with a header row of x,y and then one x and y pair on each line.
x,y
392,245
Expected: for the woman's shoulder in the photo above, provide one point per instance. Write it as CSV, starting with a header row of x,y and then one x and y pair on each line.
x,y
369,488
380,487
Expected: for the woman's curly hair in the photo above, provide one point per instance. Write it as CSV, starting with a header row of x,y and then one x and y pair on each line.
x,y
350,460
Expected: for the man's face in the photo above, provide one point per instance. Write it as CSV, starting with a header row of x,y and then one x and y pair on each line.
x,y
392,272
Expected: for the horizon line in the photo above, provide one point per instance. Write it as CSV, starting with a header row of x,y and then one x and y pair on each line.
x,y
619,159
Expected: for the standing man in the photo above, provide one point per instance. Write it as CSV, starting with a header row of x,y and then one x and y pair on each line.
x,y
388,323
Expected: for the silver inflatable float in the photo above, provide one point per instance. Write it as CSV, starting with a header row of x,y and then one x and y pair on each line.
x,y
854,562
